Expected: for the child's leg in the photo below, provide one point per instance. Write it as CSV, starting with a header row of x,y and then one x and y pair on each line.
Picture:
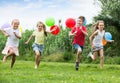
x,y
101,58
37,58
94,55
79,51
78,58
9,54
13,60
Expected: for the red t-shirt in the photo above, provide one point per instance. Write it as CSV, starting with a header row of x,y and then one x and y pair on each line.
x,y
79,38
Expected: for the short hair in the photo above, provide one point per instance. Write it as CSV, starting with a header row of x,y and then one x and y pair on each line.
x,y
82,18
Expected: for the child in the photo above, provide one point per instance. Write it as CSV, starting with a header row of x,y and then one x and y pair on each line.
x,y
39,35
79,34
11,48
96,42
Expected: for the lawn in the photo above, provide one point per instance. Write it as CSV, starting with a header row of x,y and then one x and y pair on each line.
x,y
57,72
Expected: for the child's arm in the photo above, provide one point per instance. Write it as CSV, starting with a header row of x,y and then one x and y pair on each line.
x,y
49,31
84,32
29,39
91,38
110,41
4,32
17,35
72,34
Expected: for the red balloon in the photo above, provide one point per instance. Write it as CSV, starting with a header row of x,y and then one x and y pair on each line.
x,y
70,22
55,29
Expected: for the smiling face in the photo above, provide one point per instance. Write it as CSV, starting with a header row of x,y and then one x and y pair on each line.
x,y
80,22
101,25
40,26
15,23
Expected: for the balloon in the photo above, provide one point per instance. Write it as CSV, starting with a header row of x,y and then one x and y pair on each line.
x,y
6,25
70,22
85,21
55,29
108,36
50,21
21,29
104,42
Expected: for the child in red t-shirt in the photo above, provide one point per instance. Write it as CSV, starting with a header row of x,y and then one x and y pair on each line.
x,y
79,32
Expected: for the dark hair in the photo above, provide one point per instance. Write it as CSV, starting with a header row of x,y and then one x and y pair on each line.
x,y
82,18
44,27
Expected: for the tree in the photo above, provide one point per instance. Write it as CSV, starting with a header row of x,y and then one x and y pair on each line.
x,y
110,12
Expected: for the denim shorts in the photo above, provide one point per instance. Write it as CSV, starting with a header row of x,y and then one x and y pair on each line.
x,y
38,47
76,46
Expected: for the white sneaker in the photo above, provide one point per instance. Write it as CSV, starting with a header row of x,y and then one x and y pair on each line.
x,y
36,67
89,55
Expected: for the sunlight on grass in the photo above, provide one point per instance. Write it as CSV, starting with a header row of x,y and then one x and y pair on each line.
x,y
56,72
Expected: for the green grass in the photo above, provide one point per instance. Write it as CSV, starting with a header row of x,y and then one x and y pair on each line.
x,y
56,72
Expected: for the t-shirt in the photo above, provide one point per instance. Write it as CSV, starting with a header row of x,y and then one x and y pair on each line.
x,y
97,41
39,37
79,38
12,40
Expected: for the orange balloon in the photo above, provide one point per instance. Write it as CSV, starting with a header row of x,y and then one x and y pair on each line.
x,y
104,42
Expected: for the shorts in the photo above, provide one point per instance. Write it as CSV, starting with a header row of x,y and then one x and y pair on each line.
x,y
97,48
38,47
76,46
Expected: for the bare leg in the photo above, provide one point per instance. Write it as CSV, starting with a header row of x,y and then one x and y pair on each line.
x,y
37,58
78,57
9,54
13,60
79,51
101,58
94,55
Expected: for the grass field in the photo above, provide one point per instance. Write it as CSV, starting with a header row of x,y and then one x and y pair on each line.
x,y
56,72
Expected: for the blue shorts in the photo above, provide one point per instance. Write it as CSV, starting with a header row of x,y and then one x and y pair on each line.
x,y
76,46
38,47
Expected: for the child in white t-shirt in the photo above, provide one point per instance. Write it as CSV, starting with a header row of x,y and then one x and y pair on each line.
x,y
11,48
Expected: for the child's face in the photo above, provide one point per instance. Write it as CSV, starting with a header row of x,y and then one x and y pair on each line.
x,y
40,26
15,24
101,26
80,22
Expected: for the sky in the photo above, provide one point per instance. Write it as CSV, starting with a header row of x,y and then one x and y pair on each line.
x,y
29,12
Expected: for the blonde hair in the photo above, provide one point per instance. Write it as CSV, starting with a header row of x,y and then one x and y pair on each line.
x,y
44,27
95,25
15,20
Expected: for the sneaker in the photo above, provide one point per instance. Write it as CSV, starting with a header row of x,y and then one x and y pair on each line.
x,y
36,67
76,68
76,65
89,55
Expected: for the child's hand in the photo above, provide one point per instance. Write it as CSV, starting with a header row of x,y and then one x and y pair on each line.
x,y
93,47
111,41
14,33
26,42
7,35
75,33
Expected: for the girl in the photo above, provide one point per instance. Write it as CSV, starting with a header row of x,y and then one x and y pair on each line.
x,y
11,48
79,34
39,35
96,42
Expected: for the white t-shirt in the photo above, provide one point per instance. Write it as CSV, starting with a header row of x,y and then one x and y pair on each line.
x,y
97,41
12,39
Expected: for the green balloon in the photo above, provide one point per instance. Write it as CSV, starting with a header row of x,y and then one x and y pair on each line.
x,y
50,21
